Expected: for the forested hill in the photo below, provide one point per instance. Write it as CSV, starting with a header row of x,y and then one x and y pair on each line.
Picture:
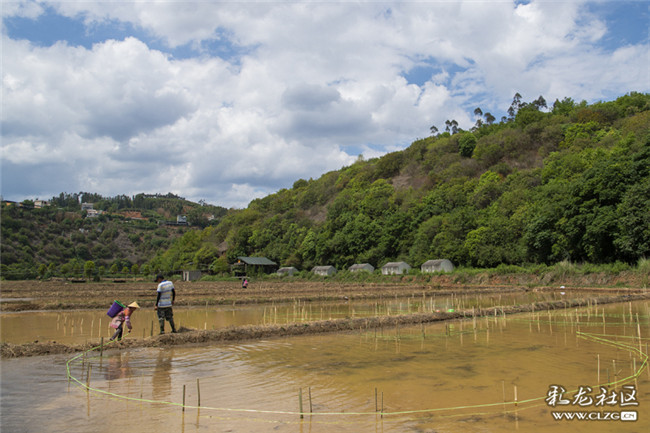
x,y
567,182
543,185
106,236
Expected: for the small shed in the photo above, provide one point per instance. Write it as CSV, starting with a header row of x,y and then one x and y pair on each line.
x,y
362,267
439,265
395,268
325,271
191,275
245,265
287,270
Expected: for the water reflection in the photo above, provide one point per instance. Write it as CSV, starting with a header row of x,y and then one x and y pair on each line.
x,y
82,326
161,379
118,367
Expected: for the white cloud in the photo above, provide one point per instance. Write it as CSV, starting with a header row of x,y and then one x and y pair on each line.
x,y
23,9
299,89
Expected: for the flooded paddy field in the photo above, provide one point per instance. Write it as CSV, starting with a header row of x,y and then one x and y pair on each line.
x,y
483,374
80,326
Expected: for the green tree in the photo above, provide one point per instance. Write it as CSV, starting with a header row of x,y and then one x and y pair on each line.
x,y
633,222
467,144
205,256
220,265
89,269
66,269
42,270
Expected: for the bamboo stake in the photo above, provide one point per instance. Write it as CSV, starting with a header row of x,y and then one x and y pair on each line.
x,y
183,398
300,402
638,328
198,390
376,403
311,408
90,368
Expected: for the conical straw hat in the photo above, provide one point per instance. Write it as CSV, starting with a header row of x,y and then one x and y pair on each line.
x,y
133,305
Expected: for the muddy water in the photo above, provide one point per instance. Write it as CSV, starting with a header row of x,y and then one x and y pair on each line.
x,y
80,326
454,377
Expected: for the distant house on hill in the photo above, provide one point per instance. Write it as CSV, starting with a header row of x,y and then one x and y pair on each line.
x,y
395,268
93,213
38,204
287,270
325,271
362,267
441,265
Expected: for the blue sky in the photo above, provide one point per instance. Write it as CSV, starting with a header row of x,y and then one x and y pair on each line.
x,y
227,102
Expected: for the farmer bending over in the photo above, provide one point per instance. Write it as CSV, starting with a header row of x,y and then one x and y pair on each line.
x,y
122,317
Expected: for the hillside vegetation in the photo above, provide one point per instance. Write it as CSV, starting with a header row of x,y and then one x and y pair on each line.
x,y
545,185
570,183
61,240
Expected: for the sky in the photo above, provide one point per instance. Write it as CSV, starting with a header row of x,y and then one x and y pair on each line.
x,y
230,101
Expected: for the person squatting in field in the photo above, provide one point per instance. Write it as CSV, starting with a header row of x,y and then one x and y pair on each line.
x,y
121,318
164,302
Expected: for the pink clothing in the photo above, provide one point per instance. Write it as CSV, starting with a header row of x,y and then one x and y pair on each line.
x,y
123,317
